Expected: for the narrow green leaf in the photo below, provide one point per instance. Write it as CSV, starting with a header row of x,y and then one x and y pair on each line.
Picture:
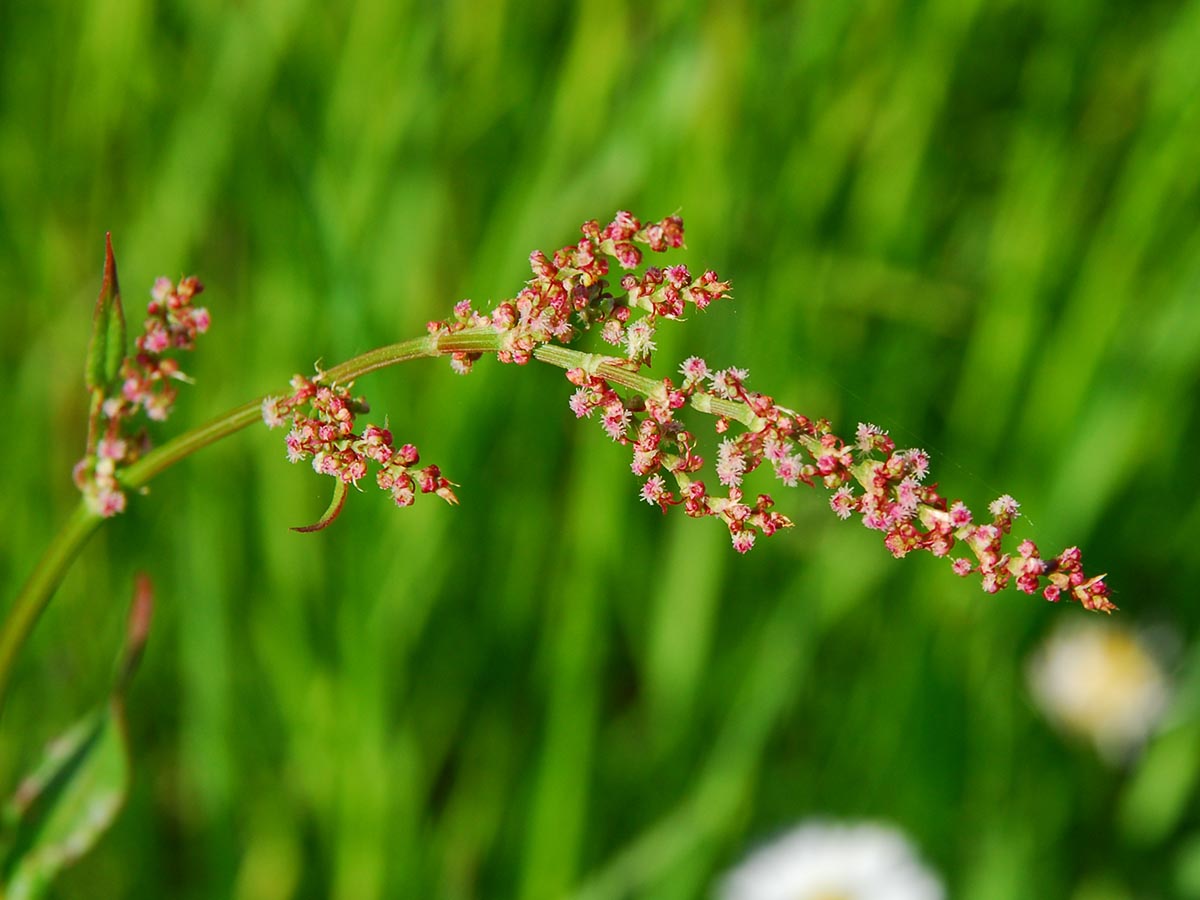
x,y
106,351
61,810
340,488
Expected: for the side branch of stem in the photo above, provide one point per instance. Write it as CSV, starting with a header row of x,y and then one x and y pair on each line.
x,y
36,593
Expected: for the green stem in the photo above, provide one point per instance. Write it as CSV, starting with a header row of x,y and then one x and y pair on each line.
x,y
616,371
36,593
162,458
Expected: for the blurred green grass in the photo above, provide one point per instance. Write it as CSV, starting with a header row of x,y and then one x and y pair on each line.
x,y
974,224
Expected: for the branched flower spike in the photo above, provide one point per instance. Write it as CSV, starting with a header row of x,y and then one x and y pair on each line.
x,y
569,293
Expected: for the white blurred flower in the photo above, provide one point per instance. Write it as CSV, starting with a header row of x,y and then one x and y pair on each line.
x,y
1101,681
830,861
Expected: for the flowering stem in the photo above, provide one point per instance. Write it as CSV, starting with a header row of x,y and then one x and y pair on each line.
x,y
36,593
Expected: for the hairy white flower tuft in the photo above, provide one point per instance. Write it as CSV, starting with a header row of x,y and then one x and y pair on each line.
x,y
820,860
1102,682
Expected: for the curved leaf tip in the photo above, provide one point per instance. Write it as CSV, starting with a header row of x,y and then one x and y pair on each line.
x,y
340,489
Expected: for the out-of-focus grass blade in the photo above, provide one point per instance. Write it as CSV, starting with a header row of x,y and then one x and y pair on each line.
x,y
60,811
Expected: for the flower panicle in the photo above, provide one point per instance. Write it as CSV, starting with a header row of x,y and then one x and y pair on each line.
x,y
324,429
148,386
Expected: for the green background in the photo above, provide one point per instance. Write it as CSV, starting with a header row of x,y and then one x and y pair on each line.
x,y
972,222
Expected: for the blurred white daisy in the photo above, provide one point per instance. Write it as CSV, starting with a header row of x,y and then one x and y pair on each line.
x,y
1101,681
830,861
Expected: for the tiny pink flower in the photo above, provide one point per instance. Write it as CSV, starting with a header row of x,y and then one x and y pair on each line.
x,y
1032,566
842,502
271,413
355,470
918,463
877,521
624,225
616,420
906,497
613,333
295,446
730,463
639,339
694,370
960,516
743,540
654,489
866,436
107,502
984,536
580,404
644,461
407,455
776,450
629,256
504,317
113,448
788,470
1070,558
1004,507
962,567
736,512
162,289
726,382
158,407
157,340
324,464
679,276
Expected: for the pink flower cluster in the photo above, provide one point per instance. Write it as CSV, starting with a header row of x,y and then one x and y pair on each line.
x,y
568,293
172,323
149,385
323,428
884,486
913,516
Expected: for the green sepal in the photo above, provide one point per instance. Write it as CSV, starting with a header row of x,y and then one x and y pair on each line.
x,y
106,350
61,810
